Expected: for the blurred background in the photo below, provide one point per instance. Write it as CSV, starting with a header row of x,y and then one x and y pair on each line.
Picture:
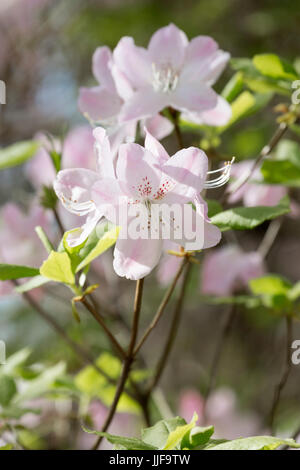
x,y
45,56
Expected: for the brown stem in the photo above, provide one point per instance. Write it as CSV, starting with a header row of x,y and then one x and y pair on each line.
x,y
127,361
281,130
161,308
173,331
174,114
101,322
58,221
285,374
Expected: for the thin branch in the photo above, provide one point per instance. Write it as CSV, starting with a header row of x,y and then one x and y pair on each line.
x,y
285,373
269,237
127,362
281,130
58,221
161,308
174,114
76,348
101,322
173,330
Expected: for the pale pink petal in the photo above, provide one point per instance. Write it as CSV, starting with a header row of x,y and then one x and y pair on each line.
x,y
198,51
135,259
167,46
109,196
139,169
105,163
121,133
40,169
185,174
215,67
263,195
101,68
190,402
99,103
122,83
133,61
168,266
195,96
155,147
217,116
78,149
251,266
79,235
144,103
158,126
73,188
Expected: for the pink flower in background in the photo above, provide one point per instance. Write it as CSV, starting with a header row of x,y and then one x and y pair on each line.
x,y
77,151
254,194
221,411
103,103
138,176
19,243
171,72
227,269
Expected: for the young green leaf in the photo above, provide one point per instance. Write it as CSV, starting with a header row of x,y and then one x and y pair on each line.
x,y
35,282
271,284
255,443
11,271
175,437
7,390
17,154
158,434
246,218
273,66
128,443
281,172
58,268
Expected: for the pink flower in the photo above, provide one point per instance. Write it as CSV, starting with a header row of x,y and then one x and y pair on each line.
x,y
138,178
217,116
219,280
18,240
104,102
255,194
171,72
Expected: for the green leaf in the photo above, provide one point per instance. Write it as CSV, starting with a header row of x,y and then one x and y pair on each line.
x,y
175,437
233,87
58,268
7,447
17,154
294,292
246,218
214,207
95,385
273,66
108,240
15,412
128,443
255,443
35,282
12,271
14,361
244,105
158,434
198,436
271,284
288,149
281,172
7,390
42,384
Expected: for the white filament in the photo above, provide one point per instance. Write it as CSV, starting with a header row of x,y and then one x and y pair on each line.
x,y
221,180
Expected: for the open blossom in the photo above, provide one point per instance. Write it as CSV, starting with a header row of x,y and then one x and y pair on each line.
x,y
138,178
227,269
254,194
103,103
171,72
217,116
19,242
